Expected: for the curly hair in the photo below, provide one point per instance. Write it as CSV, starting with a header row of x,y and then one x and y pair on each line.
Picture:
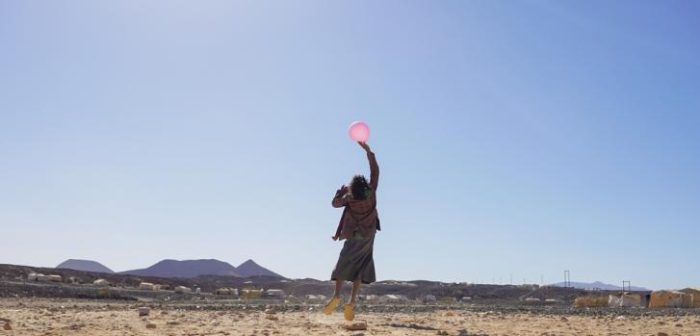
x,y
359,187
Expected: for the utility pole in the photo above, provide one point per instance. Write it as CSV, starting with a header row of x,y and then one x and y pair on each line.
x,y
628,284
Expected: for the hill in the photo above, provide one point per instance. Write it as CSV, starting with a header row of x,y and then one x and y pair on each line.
x,y
170,268
84,265
251,269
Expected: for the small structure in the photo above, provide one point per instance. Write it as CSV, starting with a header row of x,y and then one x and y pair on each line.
x,y
251,293
55,278
591,301
532,300
101,283
275,293
626,300
226,291
147,286
393,298
183,290
43,278
694,294
34,276
670,299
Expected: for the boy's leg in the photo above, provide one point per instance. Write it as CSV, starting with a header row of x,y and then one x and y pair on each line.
x,y
349,310
338,287
335,300
355,291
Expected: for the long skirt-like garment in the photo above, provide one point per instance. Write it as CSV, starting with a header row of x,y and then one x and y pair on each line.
x,y
356,261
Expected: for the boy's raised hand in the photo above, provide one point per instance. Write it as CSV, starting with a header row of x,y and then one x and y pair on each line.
x,y
364,146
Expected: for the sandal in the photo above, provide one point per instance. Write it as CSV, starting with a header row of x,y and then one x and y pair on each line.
x,y
330,307
349,312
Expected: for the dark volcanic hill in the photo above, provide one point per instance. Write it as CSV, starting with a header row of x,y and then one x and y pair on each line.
x,y
250,269
169,268
84,265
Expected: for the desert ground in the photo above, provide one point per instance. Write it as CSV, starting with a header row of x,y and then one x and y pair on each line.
x,y
44,317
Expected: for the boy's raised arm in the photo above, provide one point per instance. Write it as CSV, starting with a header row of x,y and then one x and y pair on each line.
x,y
373,166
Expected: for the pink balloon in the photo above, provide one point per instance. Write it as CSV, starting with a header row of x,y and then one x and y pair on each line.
x,y
359,131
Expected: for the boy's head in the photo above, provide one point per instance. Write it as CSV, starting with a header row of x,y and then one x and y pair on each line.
x,y
359,187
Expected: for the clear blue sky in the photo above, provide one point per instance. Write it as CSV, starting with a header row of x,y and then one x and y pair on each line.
x,y
514,137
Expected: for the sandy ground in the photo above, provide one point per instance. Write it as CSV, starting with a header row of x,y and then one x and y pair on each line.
x,y
76,317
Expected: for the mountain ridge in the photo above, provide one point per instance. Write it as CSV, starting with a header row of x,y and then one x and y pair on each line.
x,y
171,268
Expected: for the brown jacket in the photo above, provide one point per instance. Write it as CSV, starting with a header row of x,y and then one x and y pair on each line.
x,y
359,216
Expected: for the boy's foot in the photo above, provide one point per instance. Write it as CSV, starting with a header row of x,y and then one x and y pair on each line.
x,y
349,311
330,307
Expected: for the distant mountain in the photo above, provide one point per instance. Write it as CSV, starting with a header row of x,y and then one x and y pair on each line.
x,y
84,265
169,268
597,285
249,268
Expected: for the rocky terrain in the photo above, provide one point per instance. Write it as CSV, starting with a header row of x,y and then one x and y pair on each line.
x,y
79,284
69,303
48,317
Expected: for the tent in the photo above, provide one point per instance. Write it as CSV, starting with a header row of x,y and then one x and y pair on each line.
x,y
694,297
670,299
591,301
626,300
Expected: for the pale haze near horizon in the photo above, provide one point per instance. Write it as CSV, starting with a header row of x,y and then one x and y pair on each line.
x,y
515,139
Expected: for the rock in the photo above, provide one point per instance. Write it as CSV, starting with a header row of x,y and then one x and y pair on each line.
x,y
463,332
621,318
450,314
661,334
144,311
172,323
358,334
272,317
151,325
7,326
270,311
356,326
442,332
564,319
76,326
